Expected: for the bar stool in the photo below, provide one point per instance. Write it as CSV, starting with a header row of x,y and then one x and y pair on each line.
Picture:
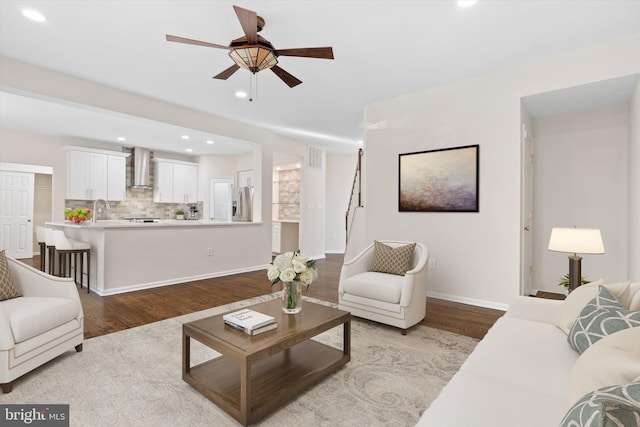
x,y
43,246
65,248
51,248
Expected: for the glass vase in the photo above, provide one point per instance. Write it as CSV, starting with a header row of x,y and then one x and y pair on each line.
x,y
291,297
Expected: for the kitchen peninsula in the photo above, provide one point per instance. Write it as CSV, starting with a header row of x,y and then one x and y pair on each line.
x,y
128,256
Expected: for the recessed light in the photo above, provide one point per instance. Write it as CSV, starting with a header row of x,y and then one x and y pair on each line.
x,y
241,94
467,3
359,142
34,15
209,141
298,165
188,150
185,136
122,138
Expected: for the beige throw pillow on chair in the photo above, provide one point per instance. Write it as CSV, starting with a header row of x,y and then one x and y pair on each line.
x,y
387,259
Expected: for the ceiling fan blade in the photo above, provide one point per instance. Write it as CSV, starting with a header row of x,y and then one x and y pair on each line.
x,y
224,75
177,39
249,22
290,80
307,52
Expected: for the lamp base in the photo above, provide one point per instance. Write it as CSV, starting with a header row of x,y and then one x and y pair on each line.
x,y
575,274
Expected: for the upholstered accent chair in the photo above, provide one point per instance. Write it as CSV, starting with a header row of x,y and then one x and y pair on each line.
x,y
45,321
392,298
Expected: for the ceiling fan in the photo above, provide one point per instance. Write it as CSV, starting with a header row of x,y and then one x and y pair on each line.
x,y
255,53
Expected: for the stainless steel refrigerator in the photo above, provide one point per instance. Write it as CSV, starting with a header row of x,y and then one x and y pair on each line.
x,y
244,205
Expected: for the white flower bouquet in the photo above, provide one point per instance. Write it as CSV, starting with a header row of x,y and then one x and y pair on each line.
x,y
292,269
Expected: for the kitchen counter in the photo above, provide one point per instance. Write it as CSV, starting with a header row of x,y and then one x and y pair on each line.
x,y
121,223
128,256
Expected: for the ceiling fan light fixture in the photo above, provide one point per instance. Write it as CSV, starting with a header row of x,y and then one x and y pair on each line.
x,y
253,58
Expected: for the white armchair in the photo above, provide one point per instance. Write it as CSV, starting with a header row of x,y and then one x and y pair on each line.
x,y
391,299
46,321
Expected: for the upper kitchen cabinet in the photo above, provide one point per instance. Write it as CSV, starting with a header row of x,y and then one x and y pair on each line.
x,y
95,174
117,177
175,181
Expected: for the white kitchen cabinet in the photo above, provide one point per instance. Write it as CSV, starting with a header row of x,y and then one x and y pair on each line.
x,y
163,182
245,178
185,183
275,237
95,174
285,236
116,178
175,182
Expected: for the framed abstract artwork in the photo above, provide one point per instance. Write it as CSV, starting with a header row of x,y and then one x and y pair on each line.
x,y
444,180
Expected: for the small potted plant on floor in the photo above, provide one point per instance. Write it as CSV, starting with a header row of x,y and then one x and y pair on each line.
x,y
179,214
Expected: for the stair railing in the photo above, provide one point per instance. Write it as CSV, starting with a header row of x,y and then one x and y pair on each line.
x,y
355,200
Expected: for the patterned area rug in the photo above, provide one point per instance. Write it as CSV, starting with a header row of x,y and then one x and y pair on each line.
x,y
133,378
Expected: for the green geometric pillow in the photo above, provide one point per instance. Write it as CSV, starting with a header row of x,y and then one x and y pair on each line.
x,y
602,316
611,406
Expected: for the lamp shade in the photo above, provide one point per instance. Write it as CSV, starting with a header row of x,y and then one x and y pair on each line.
x,y
254,58
576,240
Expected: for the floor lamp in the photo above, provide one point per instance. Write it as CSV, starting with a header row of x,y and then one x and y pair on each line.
x,y
576,241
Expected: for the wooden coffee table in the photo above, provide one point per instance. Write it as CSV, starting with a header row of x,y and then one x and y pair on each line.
x,y
256,374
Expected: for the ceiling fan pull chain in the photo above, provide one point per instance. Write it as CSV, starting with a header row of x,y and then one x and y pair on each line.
x,y
250,87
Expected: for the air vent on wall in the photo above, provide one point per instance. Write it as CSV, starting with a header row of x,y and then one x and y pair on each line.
x,y
314,157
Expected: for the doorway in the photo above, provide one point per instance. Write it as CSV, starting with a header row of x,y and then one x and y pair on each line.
x,y
526,251
220,195
26,200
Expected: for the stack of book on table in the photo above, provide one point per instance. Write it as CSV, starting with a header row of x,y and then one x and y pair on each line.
x,y
250,322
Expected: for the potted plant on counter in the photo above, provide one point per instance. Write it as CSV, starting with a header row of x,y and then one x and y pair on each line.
x,y
179,214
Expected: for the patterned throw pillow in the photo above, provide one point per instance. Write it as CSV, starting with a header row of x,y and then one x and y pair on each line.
x,y
392,260
7,287
602,316
612,406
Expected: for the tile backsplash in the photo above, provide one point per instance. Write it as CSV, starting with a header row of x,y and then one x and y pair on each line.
x,y
289,195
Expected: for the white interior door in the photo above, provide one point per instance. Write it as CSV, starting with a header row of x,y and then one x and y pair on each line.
x,y
220,192
526,269
16,216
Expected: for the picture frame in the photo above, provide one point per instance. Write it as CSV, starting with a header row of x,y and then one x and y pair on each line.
x,y
442,180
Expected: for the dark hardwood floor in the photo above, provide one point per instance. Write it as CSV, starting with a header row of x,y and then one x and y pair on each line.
x,y
103,315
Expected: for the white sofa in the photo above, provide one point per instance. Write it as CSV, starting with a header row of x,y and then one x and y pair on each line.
x,y
517,376
46,321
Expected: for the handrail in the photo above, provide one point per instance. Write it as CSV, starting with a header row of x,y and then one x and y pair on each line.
x,y
357,178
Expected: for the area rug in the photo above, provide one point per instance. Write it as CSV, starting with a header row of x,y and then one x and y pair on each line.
x,y
133,378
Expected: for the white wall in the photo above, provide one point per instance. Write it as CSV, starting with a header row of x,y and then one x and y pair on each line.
x,y
634,186
477,254
313,209
581,179
340,172
39,150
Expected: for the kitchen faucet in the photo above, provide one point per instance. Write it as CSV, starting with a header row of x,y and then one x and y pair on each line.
x,y
95,212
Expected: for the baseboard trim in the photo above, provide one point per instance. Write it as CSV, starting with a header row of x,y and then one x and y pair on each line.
x,y
469,301
176,281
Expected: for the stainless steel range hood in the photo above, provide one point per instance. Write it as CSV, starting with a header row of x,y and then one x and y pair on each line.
x,y
141,164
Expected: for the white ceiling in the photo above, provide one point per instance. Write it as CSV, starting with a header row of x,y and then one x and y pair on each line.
x,y
382,49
